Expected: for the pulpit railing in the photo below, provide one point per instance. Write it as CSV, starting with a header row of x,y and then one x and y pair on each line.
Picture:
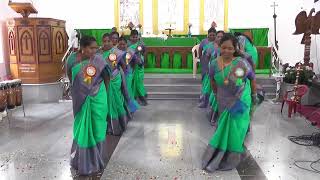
x,y
277,71
276,61
64,80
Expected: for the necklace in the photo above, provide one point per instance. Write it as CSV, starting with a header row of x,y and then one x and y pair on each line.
x,y
224,65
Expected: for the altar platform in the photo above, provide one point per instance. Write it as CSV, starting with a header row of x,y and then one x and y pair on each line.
x,y
173,55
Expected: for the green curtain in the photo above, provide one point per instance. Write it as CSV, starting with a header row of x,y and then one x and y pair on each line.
x,y
259,35
171,41
97,33
260,38
165,61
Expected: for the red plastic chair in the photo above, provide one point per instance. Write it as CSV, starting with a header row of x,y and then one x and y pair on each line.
x,y
314,117
293,104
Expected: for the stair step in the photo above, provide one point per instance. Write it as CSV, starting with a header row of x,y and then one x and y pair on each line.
x,y
147,75
173,95
172,98
266,81
269,88
183,93
270,95
173,87
171,81
261,81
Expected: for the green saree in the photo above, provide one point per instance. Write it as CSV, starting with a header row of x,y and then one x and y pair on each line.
x,y
249,48
90,110
209,52
234,100
138,88
117,115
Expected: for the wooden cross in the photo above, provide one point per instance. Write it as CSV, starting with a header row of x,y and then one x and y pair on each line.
x,y
26,39
274,5
43,40
59,45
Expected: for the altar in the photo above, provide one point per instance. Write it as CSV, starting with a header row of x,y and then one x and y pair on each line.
x,y
173,54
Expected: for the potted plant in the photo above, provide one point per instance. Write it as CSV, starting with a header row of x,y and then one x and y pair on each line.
x,y
290,72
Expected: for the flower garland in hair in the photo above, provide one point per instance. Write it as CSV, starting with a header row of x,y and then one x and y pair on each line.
x,y
214,24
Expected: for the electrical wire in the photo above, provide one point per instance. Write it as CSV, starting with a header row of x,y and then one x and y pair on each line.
x,y
307,140
311,165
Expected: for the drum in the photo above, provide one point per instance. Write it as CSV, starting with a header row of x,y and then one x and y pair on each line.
x,y
18,89
3,96
11,94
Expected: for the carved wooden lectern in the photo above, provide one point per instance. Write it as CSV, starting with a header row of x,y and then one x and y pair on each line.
x,y
36,46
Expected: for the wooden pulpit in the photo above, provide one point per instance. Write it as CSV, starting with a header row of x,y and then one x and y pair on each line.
x,y
36,46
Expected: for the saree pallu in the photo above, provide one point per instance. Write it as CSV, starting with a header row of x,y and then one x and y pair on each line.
x,y
252,50
117,116
209,52
138,88
213,105
205,91
249,48
132,104
90,109
225,148
213,109
124,90
206,46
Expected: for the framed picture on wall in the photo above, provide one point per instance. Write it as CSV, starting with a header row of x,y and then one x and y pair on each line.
x,y
170,14
128,11
213,10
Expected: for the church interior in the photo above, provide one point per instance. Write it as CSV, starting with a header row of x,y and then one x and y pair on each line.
x,y
150,89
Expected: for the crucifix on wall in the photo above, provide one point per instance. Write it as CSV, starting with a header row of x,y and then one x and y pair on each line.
x,y
44,43
26,42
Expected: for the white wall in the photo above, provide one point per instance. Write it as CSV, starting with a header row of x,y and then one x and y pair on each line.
x,y
81,14
290,49
242,14
5,12
315,47
147,17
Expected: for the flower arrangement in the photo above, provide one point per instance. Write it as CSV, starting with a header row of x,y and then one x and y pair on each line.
x,y
214,24
130,25
290,72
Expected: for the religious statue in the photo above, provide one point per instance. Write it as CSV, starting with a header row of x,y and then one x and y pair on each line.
x,y
307,25
214,24
189,30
